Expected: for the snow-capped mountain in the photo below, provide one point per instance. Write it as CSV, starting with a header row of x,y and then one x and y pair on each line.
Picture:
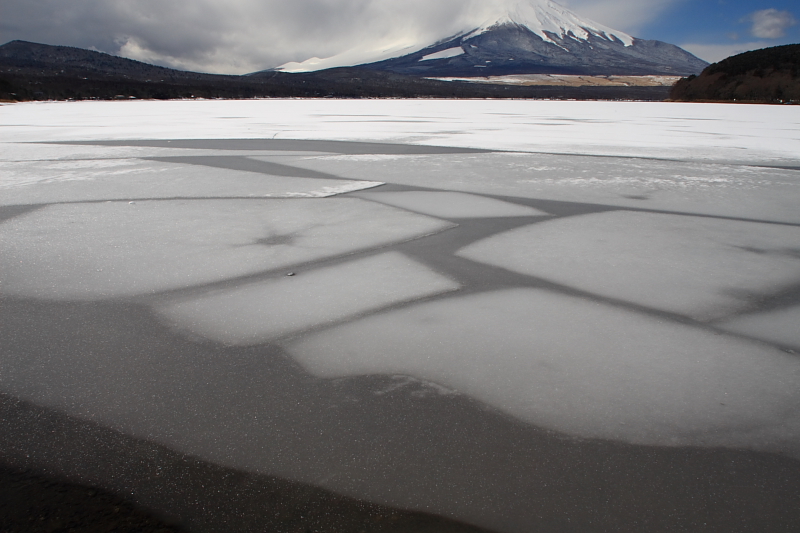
x,y
525,37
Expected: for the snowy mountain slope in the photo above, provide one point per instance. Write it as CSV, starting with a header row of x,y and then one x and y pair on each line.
x,y
525,37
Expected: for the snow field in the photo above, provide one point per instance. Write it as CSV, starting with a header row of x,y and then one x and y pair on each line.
x,y
715,132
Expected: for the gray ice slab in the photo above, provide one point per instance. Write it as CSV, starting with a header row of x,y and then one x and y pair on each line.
x,y
781,326
579,367
256,312
690,187
701,267
452,204
112,249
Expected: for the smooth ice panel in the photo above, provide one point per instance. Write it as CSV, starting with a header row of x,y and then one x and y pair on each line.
x,y
701,267
576,366
101,250
781,326
35,182
452,204
257,312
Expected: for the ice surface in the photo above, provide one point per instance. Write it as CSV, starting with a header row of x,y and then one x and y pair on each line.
x,y
716,132
256,312
102,250
444,54
689,187
701,267
117,179
579,367
780,326
452,204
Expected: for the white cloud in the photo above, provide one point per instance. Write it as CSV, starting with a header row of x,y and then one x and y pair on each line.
x,y
717,52
238,36
770,23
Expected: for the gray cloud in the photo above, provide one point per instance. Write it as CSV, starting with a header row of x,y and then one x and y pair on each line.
x,y
238,36
770,23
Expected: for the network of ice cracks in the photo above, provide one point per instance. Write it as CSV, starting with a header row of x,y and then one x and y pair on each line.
x,y
617,298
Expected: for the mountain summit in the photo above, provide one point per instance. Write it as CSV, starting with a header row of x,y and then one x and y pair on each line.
x,y
525,37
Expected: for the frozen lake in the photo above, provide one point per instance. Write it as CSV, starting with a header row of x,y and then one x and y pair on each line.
x,y
520,315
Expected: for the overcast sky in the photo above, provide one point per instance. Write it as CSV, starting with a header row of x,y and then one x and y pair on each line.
x,y
239,36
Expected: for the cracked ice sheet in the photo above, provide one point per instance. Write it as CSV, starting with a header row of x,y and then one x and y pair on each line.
x,y
689,187
257,312
578,367
112,249
781,326
34,182
452,204
701,267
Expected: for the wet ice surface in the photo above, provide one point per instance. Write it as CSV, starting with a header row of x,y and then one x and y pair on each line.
x,y
496,337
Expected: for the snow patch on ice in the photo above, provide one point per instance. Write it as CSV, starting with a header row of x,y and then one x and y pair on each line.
x,y
32,182
24,173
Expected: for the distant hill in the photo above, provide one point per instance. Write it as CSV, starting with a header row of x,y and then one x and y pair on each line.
x,y
32,71
769,75
29,57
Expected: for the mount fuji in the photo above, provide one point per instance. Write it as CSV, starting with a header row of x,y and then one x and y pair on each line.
x,y
521,37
